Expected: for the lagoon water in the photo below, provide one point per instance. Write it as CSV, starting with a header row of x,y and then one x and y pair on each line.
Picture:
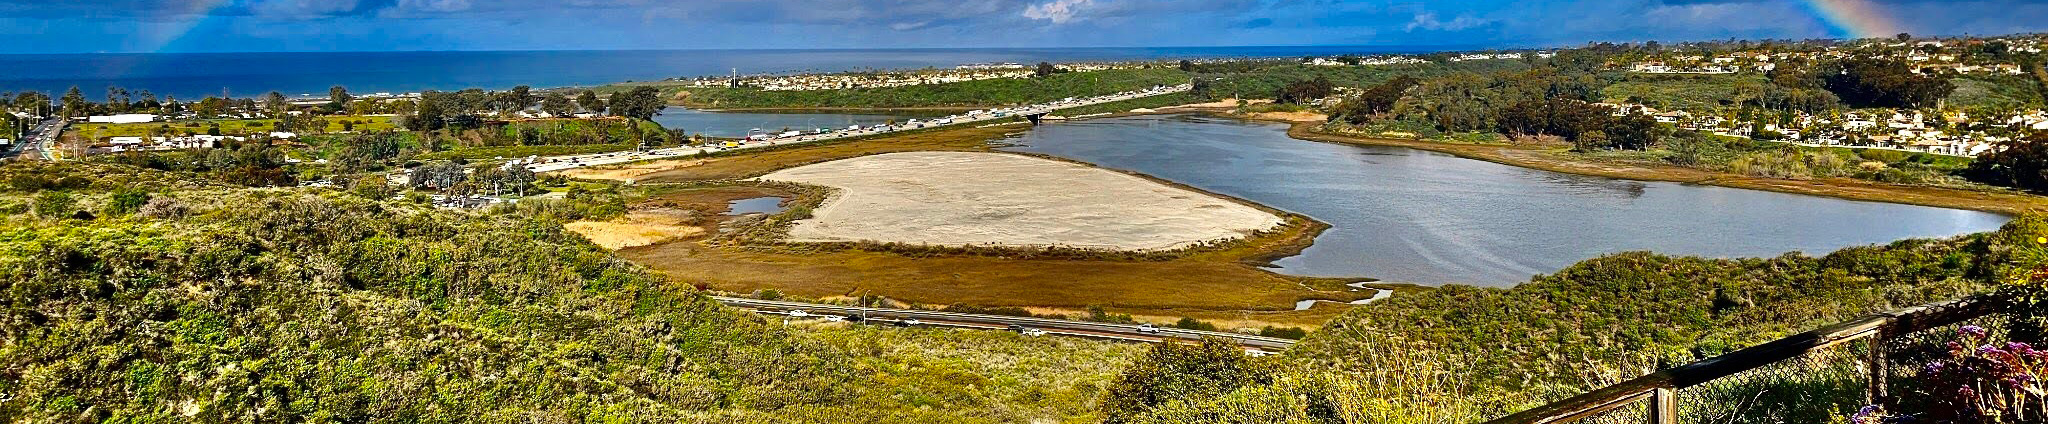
x,y
737,124
1409,215
766,205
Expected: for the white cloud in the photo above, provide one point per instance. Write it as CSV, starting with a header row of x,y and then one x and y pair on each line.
x,y
1429,21
1057,11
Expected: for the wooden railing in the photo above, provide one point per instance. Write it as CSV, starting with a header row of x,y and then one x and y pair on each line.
x,y
1660,389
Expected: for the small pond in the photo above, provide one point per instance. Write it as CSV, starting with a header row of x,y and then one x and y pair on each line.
x,y
765,205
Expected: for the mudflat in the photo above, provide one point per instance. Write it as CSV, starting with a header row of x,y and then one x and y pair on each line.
x,y
970,198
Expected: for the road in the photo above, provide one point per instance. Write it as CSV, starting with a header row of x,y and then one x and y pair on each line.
x,y
559,163
38,142
1098,330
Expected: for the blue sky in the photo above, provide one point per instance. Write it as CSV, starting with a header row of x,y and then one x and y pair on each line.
x,y
80,26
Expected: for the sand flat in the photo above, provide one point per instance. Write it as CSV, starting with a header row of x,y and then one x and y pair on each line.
x,y
971,198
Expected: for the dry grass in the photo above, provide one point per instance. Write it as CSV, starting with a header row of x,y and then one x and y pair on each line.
x,y
633,230
1217,285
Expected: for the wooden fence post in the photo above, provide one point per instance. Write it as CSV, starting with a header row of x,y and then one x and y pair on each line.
x,y
1664,406
1880,368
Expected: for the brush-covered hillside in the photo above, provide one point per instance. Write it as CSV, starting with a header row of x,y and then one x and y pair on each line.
x,y
133,295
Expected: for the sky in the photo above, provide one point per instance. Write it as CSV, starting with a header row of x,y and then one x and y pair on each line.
x,y
144,26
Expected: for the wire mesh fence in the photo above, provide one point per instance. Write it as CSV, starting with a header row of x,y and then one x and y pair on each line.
x,y
1818,376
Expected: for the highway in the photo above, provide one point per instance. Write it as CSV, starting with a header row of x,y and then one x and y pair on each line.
x,y
1127,332
559,163
37,143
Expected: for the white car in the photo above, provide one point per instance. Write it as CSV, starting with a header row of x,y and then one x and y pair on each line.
x,y
910,322
1148,329
799,314
834,318
1033,332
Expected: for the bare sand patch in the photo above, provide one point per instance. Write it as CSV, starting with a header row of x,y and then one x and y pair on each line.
x,y
634,230
969,198
1292,116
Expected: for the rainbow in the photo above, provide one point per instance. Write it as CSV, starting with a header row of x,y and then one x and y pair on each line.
x,y
1853,18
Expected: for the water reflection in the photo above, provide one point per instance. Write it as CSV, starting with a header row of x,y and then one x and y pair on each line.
x,y
1416,216
767,205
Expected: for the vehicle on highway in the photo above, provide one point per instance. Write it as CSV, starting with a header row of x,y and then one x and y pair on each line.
x,y
1033,332
909,322
798,313
834,318
1148,329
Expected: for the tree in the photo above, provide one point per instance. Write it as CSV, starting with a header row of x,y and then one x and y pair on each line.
x,y
117,99
2020,163
1045,69
1634,131
275,103
438,176
642,103
521,97
1904,37
557,105
210,107
428,116
1873,82
339,97
75,104
1376,100
1305,91
589,102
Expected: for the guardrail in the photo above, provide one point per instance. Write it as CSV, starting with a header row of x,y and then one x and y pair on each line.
x,y
1045,323
1660,389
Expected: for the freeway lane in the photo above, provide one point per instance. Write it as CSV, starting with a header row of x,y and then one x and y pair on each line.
x,y
1054,326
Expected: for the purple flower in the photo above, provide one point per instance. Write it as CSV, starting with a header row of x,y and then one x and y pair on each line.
x,y
1972,330
2020,348
1988,349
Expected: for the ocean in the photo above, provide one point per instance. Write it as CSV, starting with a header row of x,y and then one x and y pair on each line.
x,y
195,75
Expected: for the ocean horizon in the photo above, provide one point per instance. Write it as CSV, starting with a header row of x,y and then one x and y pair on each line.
x,y
298,74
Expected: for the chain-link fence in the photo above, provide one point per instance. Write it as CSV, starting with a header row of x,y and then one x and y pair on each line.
x,y
1815,376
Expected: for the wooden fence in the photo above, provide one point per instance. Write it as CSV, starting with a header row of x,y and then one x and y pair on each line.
x,y
1660,389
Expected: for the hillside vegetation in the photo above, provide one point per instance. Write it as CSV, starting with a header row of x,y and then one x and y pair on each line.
x,y
151,298
1461,354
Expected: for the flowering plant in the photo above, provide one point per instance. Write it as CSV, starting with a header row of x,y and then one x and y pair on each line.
x,y
1982,381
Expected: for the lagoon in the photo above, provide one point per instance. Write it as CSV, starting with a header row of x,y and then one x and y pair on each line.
x,y
1407,215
